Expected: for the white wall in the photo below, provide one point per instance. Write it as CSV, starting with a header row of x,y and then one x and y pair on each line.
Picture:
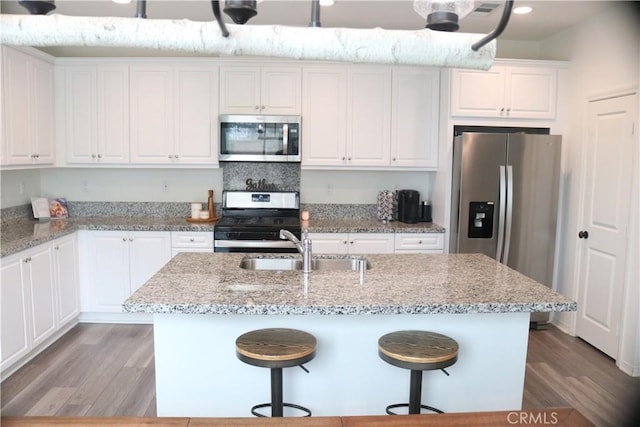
x,y
131,185
18,186
604,55
359,187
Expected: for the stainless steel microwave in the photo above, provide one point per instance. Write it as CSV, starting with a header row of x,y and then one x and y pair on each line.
x,y
245,138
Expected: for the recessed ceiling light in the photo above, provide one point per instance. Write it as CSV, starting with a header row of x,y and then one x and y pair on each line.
x,y
121,1
326,2
522,10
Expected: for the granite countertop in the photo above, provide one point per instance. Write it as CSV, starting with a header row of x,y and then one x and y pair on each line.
x,y
20,234
213,283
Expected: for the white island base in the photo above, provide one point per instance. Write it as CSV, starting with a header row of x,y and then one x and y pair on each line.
x,y
199,375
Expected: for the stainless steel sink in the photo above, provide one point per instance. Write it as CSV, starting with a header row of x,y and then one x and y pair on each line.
x,y
317,263
249,263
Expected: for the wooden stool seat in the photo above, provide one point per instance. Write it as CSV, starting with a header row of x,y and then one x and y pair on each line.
x,y
276,348
418,351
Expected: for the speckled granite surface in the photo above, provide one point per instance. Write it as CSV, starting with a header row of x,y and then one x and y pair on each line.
x,y
396,284
20,234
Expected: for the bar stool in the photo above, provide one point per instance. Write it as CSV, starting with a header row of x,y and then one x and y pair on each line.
x,y
276,348
418,351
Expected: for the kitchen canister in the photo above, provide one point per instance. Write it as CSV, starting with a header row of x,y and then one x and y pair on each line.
x,y
195,210
384,207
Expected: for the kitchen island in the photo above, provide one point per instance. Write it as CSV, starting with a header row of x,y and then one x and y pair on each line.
x,y
202,302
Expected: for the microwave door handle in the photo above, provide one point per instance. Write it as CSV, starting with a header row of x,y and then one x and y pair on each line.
x,y
285,138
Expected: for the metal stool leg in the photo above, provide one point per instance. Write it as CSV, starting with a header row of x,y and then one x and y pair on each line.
x,y
415,392
276,392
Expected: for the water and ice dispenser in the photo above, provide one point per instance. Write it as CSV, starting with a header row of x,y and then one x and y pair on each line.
x,y
480,220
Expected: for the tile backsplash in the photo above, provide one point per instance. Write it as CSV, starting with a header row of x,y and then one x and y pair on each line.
x,y
263,176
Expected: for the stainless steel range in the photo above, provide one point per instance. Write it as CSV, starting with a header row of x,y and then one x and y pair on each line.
x,y
251,221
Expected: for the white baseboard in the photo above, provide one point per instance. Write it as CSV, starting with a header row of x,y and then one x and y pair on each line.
x,y
7,372
90,317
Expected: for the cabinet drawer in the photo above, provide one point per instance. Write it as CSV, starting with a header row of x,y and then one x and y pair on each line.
x,y
419,241
192,239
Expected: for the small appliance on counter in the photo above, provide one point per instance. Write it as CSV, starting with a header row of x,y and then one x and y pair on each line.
x,y
409,206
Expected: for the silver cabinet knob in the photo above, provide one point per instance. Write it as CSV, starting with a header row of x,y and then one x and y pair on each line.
x,y
175,157
93,156
124,239
191,240
99,156
257,107
419,242
131,239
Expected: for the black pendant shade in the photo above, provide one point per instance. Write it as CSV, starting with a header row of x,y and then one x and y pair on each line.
x,y
443,21
38,7
240,11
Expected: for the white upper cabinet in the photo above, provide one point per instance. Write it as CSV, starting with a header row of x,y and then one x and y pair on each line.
x,y
364,117
524,92
368,116
260,89
414,117
28,109
324,116
174,114
97,114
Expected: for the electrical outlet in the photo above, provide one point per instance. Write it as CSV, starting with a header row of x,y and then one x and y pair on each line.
x,y
165,187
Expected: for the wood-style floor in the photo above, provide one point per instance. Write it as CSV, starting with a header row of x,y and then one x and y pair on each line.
x,y
108,370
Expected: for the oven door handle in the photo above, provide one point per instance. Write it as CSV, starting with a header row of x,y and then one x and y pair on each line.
x,y
253,244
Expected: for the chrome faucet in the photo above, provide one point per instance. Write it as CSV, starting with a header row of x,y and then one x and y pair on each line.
x,y
303,247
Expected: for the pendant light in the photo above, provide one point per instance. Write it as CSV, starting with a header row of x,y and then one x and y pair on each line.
x,y
443,15
38,7
240,11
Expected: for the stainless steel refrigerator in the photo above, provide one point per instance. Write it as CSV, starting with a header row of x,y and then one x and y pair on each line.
x,y
505,201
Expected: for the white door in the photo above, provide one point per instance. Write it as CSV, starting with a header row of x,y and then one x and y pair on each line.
x,y
324,111
14,312
605,217
369,116
65,256
149,252
42,291
151,114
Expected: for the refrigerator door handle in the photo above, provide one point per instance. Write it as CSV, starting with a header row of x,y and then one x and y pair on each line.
x,y
502,212
507,237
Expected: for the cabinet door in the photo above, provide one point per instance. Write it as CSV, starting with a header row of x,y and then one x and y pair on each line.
x,y
40,280
152,119
112,95
414,117
239,90
280,90
531,92
66,274
107,277
478,93
80,114
324,108
196,115
368,116
329,243
42,109
371,243
149,252
14,312
16,94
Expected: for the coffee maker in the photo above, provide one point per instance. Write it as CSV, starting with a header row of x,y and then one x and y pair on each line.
x,y
409,206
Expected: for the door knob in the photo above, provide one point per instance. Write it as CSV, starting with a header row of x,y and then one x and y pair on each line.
x,y
583,234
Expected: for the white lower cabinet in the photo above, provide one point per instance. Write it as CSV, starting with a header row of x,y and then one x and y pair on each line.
x,y
352,243
116,263
65,255
191,241
39,297
419,243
